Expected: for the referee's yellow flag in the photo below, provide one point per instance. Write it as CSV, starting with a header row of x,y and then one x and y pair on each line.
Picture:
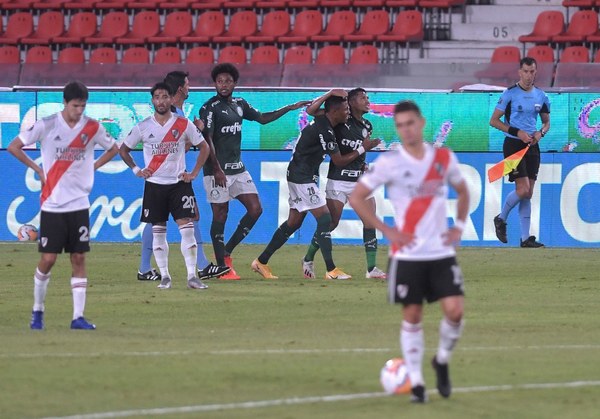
x,y
506,166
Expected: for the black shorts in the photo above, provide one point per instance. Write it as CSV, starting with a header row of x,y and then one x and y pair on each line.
x,y
161,200
64,230
529,166
410,282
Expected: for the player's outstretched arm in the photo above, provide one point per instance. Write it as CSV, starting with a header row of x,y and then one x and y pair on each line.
x,y
265,118
107,156
16,149
314,109
341,160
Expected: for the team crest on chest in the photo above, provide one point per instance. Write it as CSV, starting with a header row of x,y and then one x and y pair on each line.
x,y
439,168
175,133
85,139
240,111
365,132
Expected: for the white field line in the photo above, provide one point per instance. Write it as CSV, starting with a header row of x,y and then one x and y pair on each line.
x,y
280,351
310,400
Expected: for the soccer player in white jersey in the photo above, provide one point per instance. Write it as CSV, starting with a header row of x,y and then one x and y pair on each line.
x,y
167,186
67,141
422,255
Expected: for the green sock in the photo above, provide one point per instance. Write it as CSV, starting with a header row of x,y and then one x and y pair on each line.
x,y
281,235
217,234
242,230
313,248
370,243
323,235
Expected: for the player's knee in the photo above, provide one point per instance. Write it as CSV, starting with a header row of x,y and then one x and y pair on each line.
x,y
47,261
78,259
455,314
255,212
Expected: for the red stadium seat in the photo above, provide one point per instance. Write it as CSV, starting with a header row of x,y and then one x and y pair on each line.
x,y
232,54
110,5
594,38
583,23
369,3
145,25
239,4
506,54
298,55
241,25
597,57
374,22
578,3
38,55
547,25
49,4
136,55
105,55
9,55
81,4
50,25
408,28
364,54
577,54
167,55
541,53
200,55
82,25
275,24
266,54
401,3
208,5
73,55
340,23
17,5
336,3
114,25
312,4
177,25
20,25
331,54
176,4
143,4
208,25
308,23
271,4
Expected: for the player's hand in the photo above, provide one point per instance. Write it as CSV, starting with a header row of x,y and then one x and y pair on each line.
x,y
369,144
526,138
398,237
199,124
452,237
187,177
220,178
300,104
338,92
145,173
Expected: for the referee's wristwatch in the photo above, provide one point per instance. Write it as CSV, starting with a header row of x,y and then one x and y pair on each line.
x,y
543,133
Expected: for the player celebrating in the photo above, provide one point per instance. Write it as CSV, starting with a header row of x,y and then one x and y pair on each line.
x,y
225,177
520,105
302,175
422,257
341,180
67,141
167,188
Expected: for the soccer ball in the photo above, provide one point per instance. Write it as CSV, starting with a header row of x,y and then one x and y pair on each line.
x,y
27,232
394,377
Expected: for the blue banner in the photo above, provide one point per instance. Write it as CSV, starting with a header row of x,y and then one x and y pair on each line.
x,y
565,210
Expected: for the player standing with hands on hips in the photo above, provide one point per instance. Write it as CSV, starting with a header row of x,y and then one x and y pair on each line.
x,y
67,141
422,248
520,105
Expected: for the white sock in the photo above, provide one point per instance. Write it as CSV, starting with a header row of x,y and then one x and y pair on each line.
x,y
40,286
449,334
189,248
78,288
413,347
160,248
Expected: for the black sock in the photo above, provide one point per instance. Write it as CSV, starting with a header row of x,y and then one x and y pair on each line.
x,y
370,243
217,234
281,235
323,235
242,230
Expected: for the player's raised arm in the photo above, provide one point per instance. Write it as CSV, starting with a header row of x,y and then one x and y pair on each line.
x,y
314,109
265,118
16,149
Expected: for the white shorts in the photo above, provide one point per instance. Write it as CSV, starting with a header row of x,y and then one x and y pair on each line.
x,y
339,190
305,196
239,184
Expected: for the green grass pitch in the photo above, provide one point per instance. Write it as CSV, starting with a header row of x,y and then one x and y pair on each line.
x,y
531,318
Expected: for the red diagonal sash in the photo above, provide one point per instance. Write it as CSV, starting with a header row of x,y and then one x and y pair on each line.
x,y
59,167
172,136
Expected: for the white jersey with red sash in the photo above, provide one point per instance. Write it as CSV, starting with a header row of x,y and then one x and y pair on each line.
x,y
164,146
418,191
67,159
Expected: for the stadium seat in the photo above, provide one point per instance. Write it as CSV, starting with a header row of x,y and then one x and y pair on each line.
x,y
275,24
145,25
50,25
374,22
407,28
49,4
578,3
271,4
38,55
438,17
541,53
9,55
576,54
20,25
308,23
583,23
105,55
232,54
331,54
364,54
597,57
369,3
340,23
114,25
17,5
200,55
82,25
401,3
298,4
72,55
176,4
208,25
342,4
208,5
81,4
506,54
177,25
594,38
547,25
266,54
239,4
136,55
300,54
241,25
110,5
143,4
167,55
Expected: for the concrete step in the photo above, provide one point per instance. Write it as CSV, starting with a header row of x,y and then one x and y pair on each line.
x,y
456,51
498,32
521,13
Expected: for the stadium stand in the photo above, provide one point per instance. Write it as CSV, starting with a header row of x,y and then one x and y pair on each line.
x,y
136,55
364,54
145,25
167,55
71,55
200,55
275,24
241,25
373,23
81,26
331,54
339,24
300,54
20,25
308,23
506,54
232,54
208,25
547,25
266,54
583,24
541,53
104,55
575,54
50,25
9,55
114,25
177,25
39,55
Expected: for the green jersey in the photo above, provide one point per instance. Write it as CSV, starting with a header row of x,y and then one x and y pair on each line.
x,y
223,121
349,137
316,140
